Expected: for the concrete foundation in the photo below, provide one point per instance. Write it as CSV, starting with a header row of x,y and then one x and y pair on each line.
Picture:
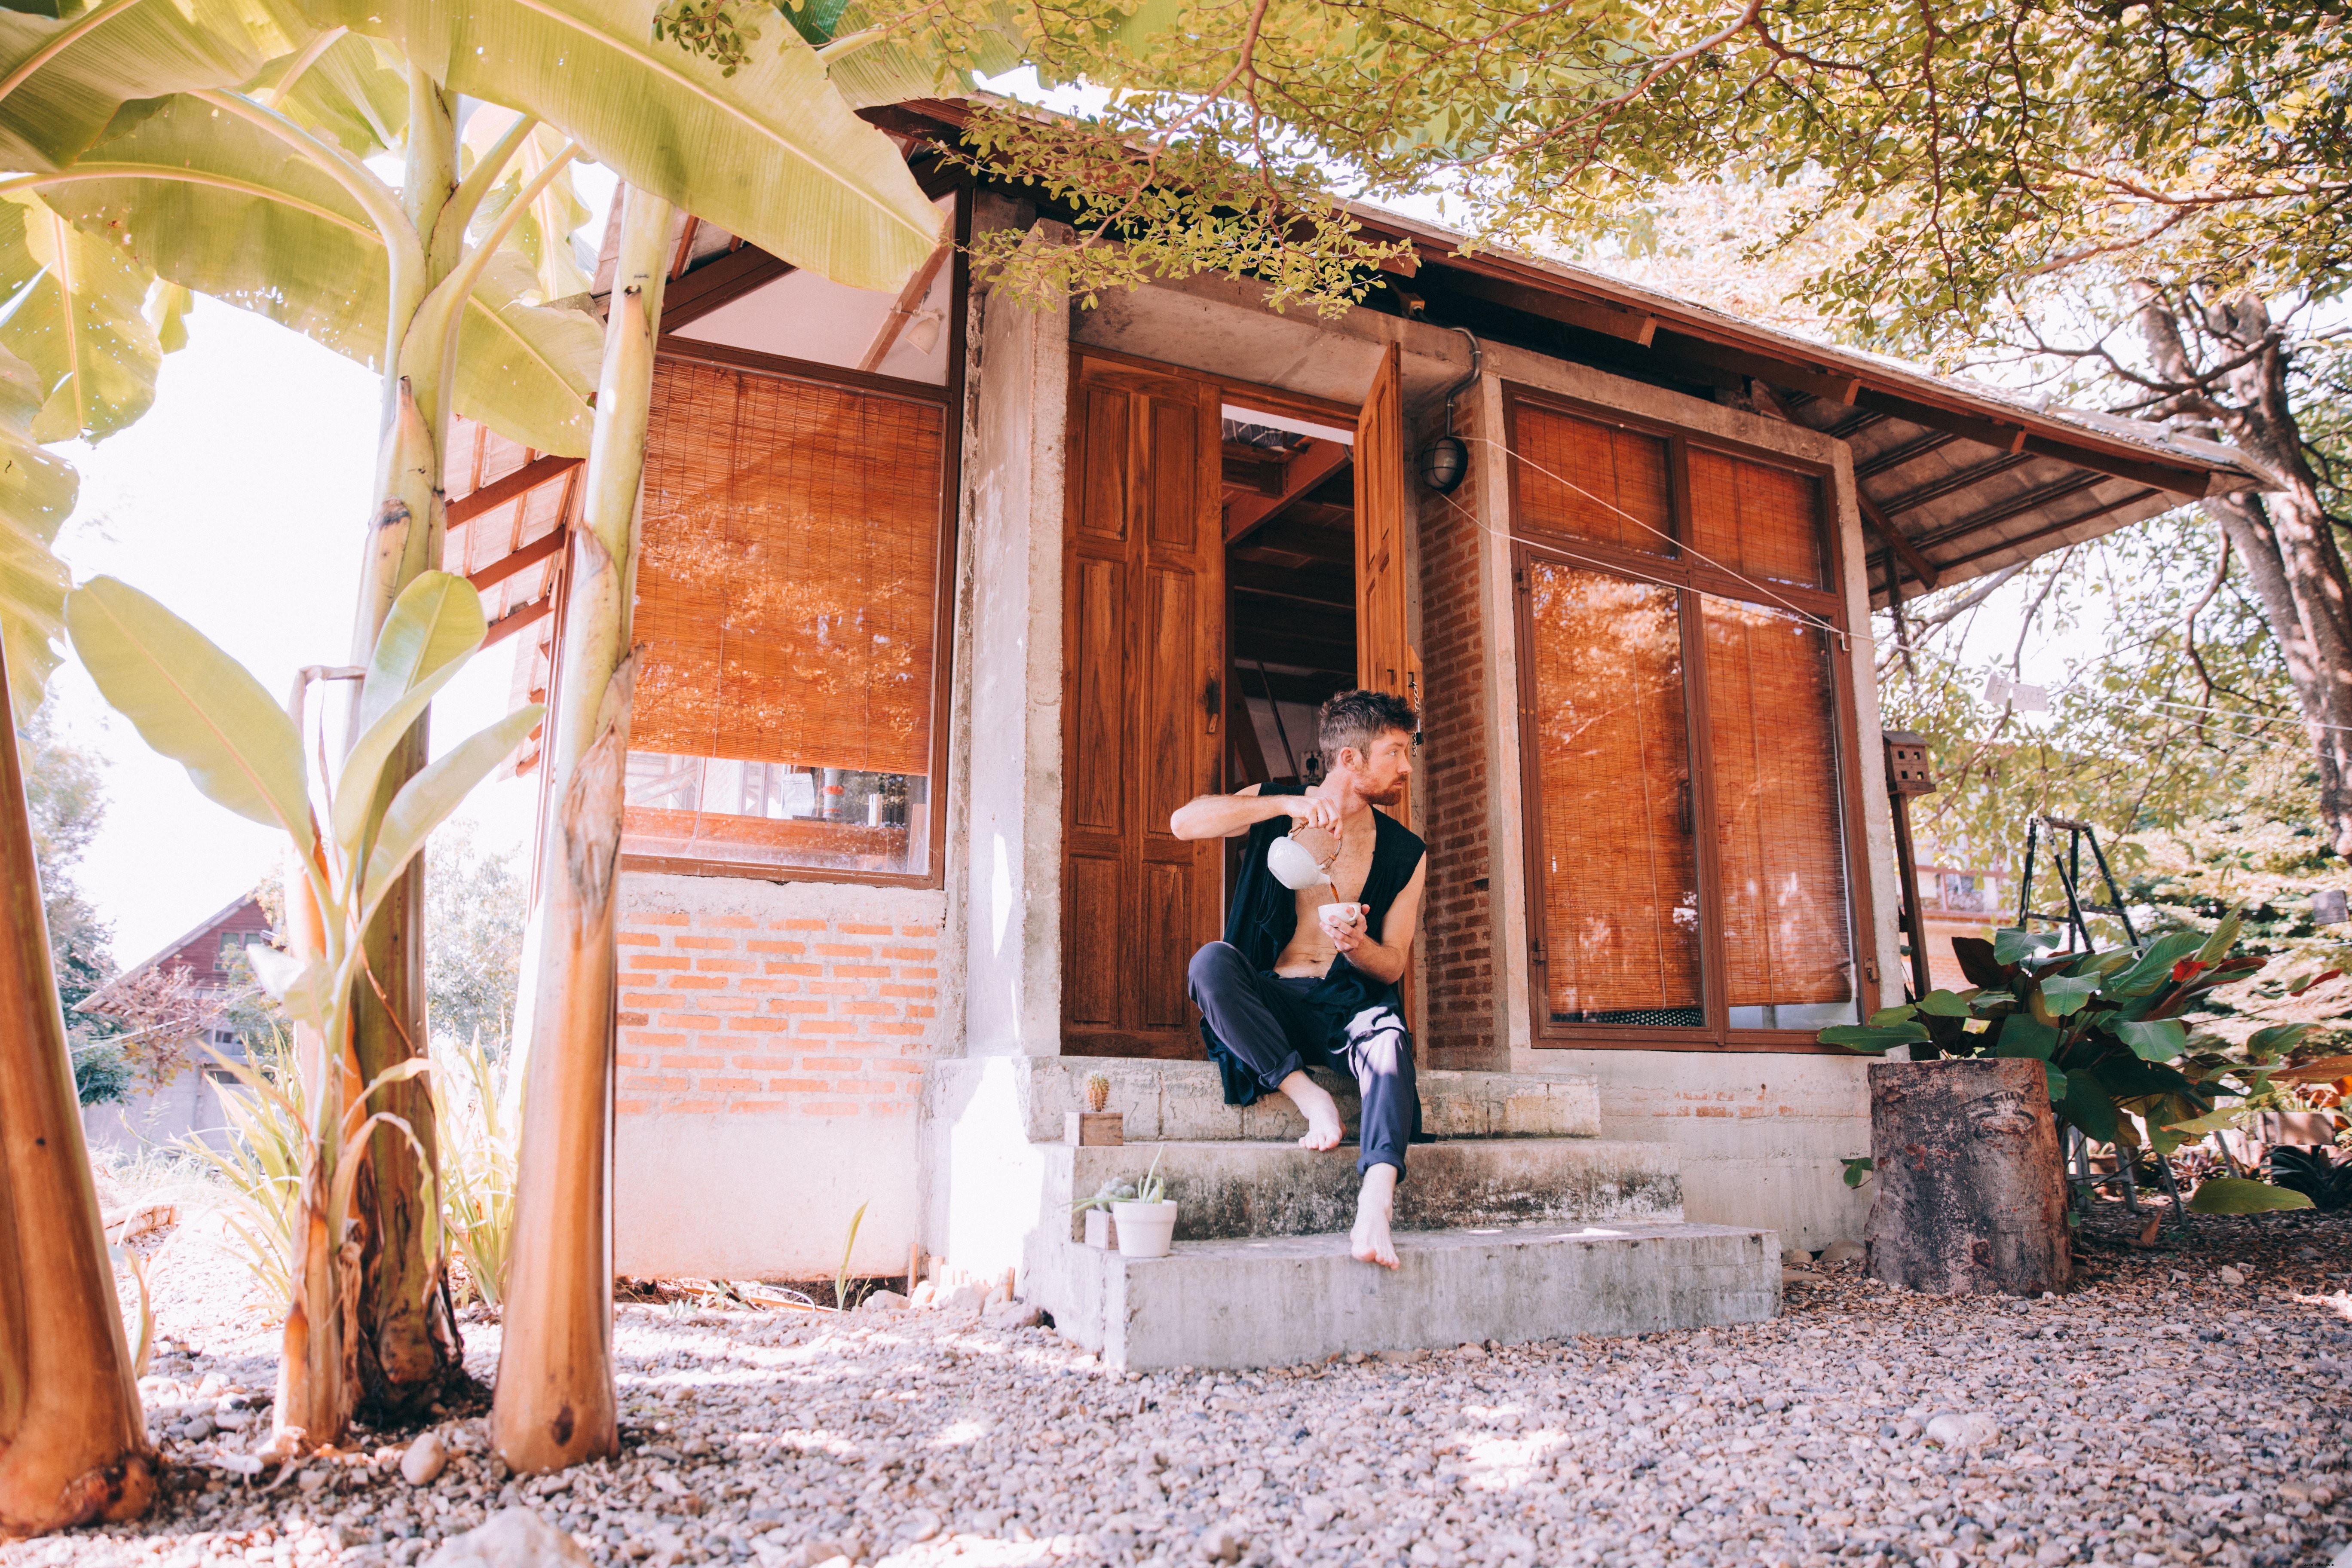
x,y
1282,1301
1236,1190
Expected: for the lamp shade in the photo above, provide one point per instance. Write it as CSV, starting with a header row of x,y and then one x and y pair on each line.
x,y
1445,464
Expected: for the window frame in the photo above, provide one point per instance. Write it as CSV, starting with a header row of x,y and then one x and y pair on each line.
x,y
1690,578
951,399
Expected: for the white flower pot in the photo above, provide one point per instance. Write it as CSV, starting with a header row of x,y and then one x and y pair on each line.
x,y
1145,1230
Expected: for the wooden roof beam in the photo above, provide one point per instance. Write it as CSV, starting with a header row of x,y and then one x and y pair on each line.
x,y
1827,386
1958,479
498,491
522,559
1972,557
1316,462
1922,570
1609,320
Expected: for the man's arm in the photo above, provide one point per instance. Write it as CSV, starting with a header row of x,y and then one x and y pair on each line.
x,y
1385,959
1225,816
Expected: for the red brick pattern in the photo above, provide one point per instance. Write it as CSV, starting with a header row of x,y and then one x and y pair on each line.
x,y
1458,929
722,1014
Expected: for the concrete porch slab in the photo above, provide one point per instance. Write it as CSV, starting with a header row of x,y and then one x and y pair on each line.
x,y
1234,1189
1163,1101
1286,1300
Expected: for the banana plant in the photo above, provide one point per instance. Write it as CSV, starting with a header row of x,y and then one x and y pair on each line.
x,y
195,704
241,151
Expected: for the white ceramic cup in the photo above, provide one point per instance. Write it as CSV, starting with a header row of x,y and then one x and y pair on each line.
x,y
1347,914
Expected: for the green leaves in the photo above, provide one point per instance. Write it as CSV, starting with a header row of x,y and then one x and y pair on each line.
x,y
770,152
2064,997
434,628
62,81
37,494
2013,946
426,800
194,703
2158,1041
2235,1194
74,314
1944,1005
1873,1038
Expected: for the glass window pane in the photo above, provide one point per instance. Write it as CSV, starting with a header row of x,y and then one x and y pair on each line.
x,y
1585,480
787,583
1620,862
1761,522
1772,735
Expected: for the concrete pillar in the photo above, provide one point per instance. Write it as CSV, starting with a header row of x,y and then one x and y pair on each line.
x,y
982,1182
1013,924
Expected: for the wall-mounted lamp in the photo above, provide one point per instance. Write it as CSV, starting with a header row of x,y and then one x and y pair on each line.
x,y
1445,461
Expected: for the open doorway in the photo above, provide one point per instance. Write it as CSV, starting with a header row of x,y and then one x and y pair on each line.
x,y
1290,517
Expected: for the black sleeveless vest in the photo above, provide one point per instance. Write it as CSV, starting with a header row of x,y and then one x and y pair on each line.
x,y
1264,916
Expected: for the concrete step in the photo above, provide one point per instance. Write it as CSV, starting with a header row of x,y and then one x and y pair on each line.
x,y
1185,1100
1231,1189
1286,1300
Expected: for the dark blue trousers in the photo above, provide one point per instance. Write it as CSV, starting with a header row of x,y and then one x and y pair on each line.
x,y
1265,1020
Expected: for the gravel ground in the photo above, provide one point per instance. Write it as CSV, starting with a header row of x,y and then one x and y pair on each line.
x,y
2167,1412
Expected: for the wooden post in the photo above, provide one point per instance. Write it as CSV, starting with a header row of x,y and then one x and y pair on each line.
x,y
1971,1191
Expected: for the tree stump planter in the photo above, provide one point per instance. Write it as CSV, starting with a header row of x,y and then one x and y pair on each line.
x,y
1971,1195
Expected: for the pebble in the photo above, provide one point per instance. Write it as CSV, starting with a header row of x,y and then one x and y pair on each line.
x,y
1962,1429
2143,1421
426,1460
514,1538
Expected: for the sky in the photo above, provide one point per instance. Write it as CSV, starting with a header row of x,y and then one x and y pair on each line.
x,y
239,500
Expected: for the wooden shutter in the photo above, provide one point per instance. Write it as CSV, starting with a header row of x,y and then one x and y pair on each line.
x,y
788,573
1144,656
1385,660
1617,866
1772,728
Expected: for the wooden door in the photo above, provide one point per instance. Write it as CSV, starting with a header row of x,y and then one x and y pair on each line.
x,y
1385,660
1143,643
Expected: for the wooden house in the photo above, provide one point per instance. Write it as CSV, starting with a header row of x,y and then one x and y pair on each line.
x,y
948,601
208,957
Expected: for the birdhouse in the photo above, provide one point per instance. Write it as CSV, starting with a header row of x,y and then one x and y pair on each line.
x,y
1908,772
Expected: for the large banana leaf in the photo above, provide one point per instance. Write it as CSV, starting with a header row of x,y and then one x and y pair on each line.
x,y
73,304
543,234
348,92
425,801
210,202
191,702
65,74
434,628
771,152
37,494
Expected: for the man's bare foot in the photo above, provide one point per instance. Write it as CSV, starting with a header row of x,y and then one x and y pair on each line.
x,y
1323,1127
1373,1208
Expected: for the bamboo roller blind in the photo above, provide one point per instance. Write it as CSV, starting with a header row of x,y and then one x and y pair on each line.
x,y
788,571
1771,724
1572,472
1758,520
1621,871
1621,893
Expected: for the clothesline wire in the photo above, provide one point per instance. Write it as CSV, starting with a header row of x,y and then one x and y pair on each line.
x,y
1683,545
1619,570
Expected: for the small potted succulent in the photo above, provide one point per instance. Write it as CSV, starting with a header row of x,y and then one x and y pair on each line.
x,y
1141,1212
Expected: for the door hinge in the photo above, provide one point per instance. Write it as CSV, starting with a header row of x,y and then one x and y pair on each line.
x,y
1870,968
1519,578
1212,702
1536,951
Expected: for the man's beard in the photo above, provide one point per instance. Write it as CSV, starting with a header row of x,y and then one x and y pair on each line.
x,y
1389,796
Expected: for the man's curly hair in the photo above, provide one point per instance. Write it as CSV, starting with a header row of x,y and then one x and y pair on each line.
x,y
1359,718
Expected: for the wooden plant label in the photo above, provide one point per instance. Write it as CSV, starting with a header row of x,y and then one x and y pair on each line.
x,y
1093,1129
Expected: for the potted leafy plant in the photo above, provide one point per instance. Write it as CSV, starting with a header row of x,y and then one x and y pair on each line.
x,y
1141,1212
2107,1028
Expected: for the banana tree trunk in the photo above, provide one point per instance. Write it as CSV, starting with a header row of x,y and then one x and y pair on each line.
x,y
407,1349
554,1405
73,1439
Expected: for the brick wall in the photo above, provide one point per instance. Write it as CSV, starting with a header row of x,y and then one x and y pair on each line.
x,y
772,1039
725,1013
1456,930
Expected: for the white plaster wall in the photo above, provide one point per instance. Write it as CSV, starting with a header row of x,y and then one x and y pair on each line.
x,y
1760,1134
771,1196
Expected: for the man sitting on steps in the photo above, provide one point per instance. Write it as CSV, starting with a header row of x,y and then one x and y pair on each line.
x,y
1292,986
